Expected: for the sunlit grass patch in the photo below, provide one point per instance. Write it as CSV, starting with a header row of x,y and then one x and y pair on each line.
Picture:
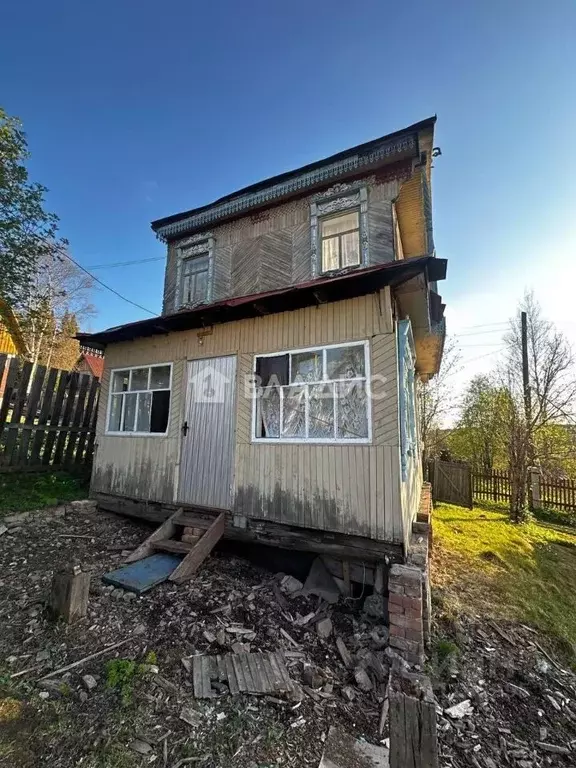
x,y
491,567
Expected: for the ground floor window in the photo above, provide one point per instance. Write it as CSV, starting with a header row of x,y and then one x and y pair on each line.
x,y
139,400
313,395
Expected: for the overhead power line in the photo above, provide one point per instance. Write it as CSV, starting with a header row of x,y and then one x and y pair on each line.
x,y
478,333
485,325
125,263
108,288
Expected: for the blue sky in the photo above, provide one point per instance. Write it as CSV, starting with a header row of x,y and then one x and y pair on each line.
x,y
136,110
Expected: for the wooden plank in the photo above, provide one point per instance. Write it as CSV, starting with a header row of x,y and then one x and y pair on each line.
x,y
85,381
48,395
92,436
55,417
11,382
172,545
197,676
19,404
30,414
232,679
66,418
165,531
200,551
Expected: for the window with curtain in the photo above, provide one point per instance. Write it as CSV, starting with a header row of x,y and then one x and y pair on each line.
x,y
316,395
340,241
139,400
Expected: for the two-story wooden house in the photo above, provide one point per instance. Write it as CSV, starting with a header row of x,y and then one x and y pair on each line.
x,y
279,382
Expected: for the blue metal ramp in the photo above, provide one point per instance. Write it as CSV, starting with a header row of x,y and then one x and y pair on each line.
x,y
144,574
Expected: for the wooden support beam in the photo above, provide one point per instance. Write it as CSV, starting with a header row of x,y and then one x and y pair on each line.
x,y
413,735
69,594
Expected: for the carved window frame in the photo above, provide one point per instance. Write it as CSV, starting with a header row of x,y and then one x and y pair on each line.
x,y
197,245
338,199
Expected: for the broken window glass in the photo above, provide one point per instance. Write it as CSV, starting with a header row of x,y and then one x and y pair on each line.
x,y
270,412
325,401
321,411
345,362
294,412
306,366
352,410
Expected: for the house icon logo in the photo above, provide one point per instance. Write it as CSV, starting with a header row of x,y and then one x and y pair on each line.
x,y
208,385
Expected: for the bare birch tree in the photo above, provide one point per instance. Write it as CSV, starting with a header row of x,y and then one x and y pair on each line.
x,y
552,384
56,300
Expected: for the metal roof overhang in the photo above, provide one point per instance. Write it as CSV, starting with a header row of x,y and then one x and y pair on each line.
x,y
325,289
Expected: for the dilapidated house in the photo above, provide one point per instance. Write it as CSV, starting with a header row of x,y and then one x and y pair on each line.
x,y
279,382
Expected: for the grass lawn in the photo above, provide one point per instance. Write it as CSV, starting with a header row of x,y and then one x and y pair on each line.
x,y
483,564
22,491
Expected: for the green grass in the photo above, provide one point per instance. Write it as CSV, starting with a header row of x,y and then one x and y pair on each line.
x,y
487,566
23,491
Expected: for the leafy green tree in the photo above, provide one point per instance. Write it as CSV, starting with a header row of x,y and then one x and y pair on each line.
x,y
27,231
478,437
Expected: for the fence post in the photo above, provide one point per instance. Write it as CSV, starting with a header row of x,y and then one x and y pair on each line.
x,y
534,488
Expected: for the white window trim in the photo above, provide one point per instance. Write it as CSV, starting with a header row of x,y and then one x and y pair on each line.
x,y
316,440
197,245
110,393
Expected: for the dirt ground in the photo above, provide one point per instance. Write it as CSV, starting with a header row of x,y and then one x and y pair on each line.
x,y
522,703
125,708
128,714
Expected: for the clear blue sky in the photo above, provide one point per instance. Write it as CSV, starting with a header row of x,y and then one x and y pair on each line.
x,y
136,110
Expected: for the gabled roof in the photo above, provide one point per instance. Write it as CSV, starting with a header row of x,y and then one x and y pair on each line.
x,y
392,147
95,364
352,283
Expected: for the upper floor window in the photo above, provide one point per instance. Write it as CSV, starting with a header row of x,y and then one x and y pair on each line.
x,y
340,239
194,279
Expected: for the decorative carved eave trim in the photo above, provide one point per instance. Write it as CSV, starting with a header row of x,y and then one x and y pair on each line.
x,y
297,184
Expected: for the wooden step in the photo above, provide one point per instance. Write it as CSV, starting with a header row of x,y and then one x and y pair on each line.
x,y
171,545
190,520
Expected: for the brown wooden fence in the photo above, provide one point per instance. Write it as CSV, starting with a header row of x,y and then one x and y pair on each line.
x,y
47,417
557,493
491,486
451,482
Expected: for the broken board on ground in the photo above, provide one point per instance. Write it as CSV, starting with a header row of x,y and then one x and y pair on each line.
x,y
144,574
342,750
242,673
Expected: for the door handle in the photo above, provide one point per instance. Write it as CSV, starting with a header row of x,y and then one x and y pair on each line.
x,y
184,429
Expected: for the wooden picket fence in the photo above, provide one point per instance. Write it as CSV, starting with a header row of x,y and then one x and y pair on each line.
x,y
559,494
491,486
47,417
556,493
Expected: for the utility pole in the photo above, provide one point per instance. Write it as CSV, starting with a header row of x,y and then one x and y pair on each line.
x,y
525,372
526,387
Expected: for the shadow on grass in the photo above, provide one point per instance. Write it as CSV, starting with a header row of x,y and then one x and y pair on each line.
x,y
24,491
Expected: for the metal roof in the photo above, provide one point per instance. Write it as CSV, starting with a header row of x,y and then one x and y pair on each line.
x,y
352,283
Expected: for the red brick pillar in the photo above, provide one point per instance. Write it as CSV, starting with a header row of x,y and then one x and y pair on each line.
x,y
406,609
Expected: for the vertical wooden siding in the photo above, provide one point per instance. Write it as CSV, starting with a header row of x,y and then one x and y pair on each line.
x,y
348,488
272,249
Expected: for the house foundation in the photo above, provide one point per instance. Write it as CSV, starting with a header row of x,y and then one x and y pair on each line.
x,y
409,599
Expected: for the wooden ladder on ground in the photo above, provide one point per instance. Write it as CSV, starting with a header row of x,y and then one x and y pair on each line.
x,y
183,533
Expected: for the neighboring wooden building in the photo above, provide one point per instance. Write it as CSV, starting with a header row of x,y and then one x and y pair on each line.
x,y
90,361
12,343
321,283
